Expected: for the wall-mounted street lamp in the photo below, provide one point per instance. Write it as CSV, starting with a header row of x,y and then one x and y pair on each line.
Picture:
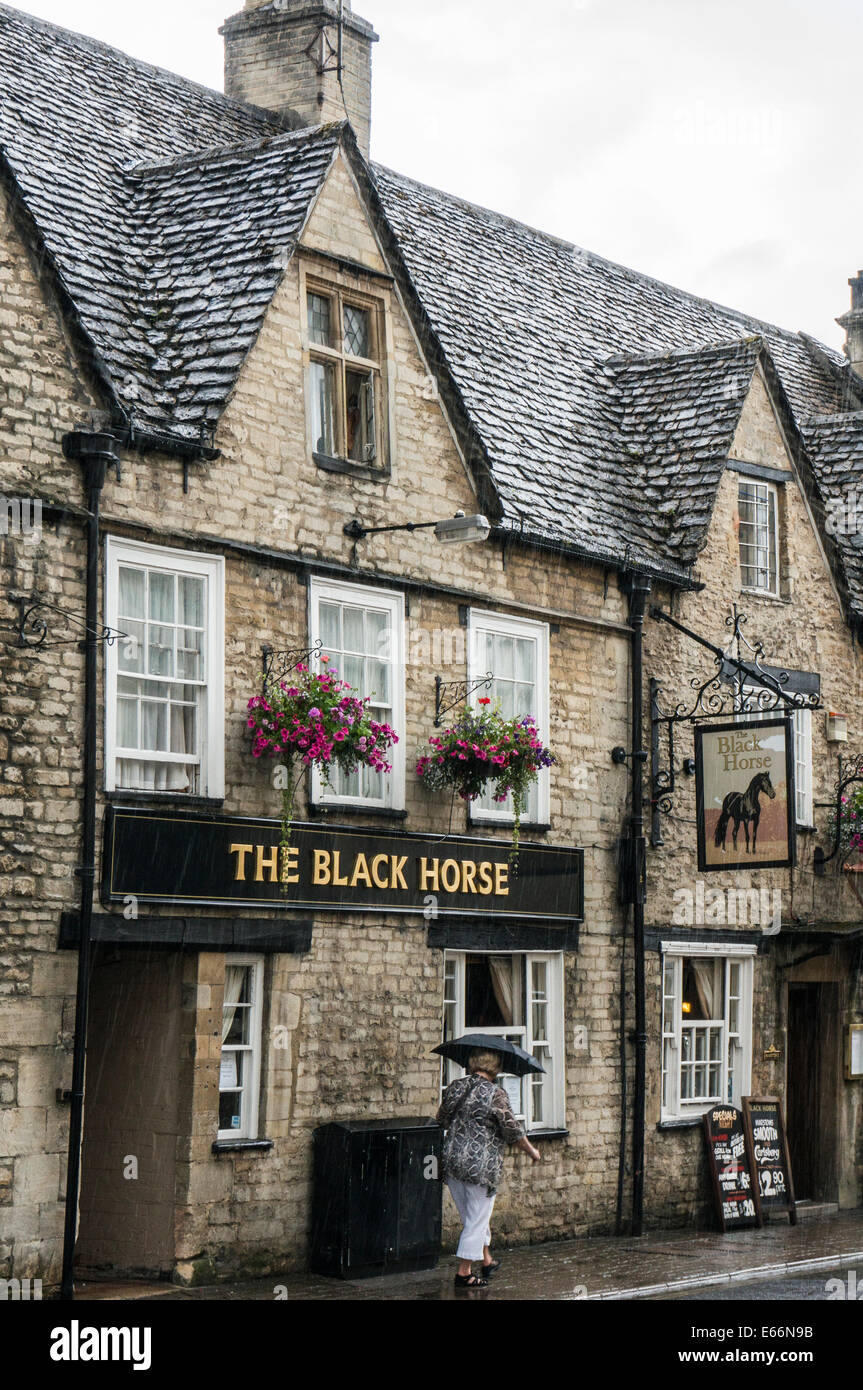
x,y
459,528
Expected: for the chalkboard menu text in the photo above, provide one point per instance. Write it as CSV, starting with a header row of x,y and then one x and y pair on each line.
x,y
768,1144
736,1193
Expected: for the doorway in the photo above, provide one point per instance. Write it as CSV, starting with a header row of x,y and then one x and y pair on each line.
x,y
814,1076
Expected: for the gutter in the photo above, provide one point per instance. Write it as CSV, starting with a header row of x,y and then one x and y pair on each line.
x,y
94,452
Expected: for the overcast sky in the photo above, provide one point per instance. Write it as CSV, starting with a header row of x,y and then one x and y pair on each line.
x,y
707,142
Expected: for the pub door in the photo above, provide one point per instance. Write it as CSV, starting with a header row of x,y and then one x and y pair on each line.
x,y
131,1115
812,1106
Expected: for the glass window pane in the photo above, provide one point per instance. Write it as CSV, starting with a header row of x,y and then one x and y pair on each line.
x,y
183,726
191,601
357,336
154,726
320,320
330,626
353,672
353,626
378,634
160,653
130,649
323,408
359,408
525,652
127,724
504,663
378,681
132,591
161,597
189,653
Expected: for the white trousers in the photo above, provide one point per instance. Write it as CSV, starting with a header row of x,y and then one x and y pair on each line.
x,y
475,1208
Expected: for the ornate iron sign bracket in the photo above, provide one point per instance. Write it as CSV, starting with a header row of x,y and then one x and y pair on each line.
x,y
443,703
737,686
850,773
33,627
278,665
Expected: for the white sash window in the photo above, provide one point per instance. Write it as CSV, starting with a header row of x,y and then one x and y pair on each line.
x,y
240,1062
515,651
164,726
706,1026
362,631
517,996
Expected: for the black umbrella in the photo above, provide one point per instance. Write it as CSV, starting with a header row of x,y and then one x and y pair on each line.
x,y
514,1060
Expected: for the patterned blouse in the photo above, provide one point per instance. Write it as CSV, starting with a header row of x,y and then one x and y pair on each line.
x,y
476,1131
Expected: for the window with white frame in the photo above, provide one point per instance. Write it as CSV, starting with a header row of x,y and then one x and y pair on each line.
x,y
346,406
517,996
164,717
757,505
240,1066
802,720
362,631
515,651
706,1026
801,728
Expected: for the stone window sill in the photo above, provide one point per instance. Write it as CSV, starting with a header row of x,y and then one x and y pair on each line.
x,y
547,1134
131,798
230,1146
685,1122
351,468
323,810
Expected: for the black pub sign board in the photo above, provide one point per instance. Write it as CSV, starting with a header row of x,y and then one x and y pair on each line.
x,y
744,795
771,1161
225,861
734,1189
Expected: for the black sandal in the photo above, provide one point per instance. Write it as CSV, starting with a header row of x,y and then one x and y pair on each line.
x,y
491,1268
470,1281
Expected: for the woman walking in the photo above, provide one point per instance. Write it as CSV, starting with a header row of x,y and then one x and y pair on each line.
x,y
476,1114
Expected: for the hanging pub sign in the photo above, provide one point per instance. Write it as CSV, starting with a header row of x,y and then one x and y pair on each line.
x,y
771,1161
734,1188
744,795
225,861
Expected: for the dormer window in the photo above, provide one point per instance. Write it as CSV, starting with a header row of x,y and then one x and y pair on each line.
x,y
759,531
345,376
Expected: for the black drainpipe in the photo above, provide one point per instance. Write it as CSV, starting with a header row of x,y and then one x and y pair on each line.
x,y
94,452
639,589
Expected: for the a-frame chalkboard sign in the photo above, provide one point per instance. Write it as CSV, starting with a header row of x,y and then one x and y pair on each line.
x,y
768,1147
734,1185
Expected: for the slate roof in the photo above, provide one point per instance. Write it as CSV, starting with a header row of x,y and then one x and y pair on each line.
x,y
530,326
601,402
835,445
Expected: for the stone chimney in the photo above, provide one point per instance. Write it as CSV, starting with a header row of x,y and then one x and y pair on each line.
x,y
285,55
852,322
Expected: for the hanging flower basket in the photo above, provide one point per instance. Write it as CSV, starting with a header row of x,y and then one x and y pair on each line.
x,y
485,752
313,719
850,828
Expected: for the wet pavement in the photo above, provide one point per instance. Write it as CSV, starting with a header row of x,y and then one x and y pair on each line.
x,y
661,1265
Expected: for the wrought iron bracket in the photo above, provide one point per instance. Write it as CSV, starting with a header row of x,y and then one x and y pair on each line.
x,y
444,702
619,756
723,693
33,627
277,665
849,774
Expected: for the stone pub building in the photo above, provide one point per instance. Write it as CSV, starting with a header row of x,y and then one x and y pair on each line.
x,y
232,348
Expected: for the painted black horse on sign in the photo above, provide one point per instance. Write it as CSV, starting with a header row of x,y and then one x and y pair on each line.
x,y
743,807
